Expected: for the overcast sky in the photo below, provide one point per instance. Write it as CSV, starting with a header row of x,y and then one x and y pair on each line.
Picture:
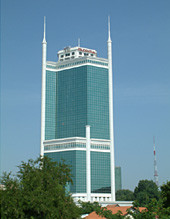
x,y
140,32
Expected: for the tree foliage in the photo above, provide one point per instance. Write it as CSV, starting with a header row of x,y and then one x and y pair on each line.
x,y
124,195
154,209
104,212
145,192
38,191
88,207
165,194
158,207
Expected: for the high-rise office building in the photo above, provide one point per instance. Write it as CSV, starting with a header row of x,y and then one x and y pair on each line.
x,y
77,118
118,179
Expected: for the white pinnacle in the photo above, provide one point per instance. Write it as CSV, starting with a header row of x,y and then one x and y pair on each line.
x,y
44,56
112,163
44,40
109,38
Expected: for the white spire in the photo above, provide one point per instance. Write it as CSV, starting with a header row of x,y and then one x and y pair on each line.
x,y
109,38
112,162
44,40
44,57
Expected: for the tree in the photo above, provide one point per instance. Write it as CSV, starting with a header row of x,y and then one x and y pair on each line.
x,y
145,192
165,194
124,195
104,212
154,209
88,207
38,191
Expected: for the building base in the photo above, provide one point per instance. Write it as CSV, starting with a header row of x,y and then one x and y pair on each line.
x,y
95,197
103,199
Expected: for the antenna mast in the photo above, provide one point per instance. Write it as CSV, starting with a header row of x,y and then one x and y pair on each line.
x,y
78,42
155,163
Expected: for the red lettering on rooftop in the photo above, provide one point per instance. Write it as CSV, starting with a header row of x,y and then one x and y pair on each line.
x,y
86,50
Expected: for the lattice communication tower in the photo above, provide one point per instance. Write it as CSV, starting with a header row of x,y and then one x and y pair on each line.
x,y
155,164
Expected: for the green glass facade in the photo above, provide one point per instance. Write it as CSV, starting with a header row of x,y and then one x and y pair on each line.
x,y
50,109
75,98
72,102
100,169
77,161
118,178
98,102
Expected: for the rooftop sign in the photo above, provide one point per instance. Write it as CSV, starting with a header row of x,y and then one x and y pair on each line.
x,y
86,50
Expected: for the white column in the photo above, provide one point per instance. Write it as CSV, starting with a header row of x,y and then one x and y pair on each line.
x,y
88,164
112,163
43,88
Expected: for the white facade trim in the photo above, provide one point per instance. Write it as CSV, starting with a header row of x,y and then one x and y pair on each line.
x,y
99,197
99,59
76,140
88,164
56,66
76,149
100,150
76,66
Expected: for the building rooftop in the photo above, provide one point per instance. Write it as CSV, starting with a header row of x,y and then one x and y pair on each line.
x,y
69,53
114,209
